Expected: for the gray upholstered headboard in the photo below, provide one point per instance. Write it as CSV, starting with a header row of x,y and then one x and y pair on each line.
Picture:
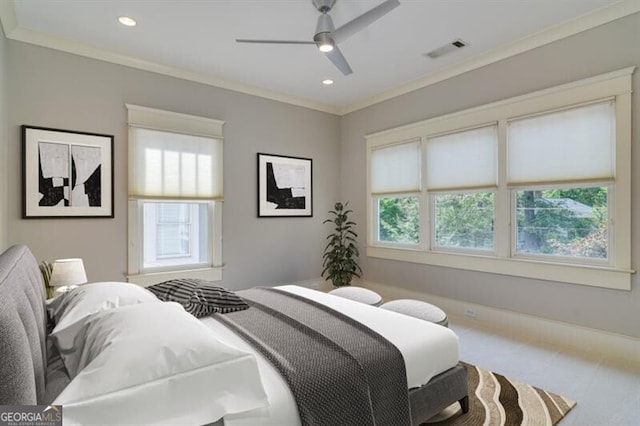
x,y
23,328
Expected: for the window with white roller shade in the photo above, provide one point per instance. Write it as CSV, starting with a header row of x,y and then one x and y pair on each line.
x,y
463,160
173,165
575,144
175,195
396,169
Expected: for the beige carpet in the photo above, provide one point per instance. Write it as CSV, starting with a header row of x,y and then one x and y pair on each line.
x,y
497,400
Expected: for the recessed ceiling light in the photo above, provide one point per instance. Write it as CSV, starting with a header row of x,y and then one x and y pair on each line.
x,y
327,82
125,20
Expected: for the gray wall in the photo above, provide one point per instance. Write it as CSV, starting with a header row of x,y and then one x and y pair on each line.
x,y
54,89
3,142
606,48
50,88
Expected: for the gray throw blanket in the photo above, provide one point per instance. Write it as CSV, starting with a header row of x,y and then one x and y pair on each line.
x,y
340,371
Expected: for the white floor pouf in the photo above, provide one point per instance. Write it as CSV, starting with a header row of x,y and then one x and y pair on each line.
x,y
418,309
359,294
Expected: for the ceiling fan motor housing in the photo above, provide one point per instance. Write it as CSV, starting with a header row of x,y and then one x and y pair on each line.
x,y
325,24
324,5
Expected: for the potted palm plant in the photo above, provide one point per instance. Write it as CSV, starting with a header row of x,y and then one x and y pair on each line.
x,y
340,263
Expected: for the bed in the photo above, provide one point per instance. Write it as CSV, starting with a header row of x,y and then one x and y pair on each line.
x,y
32,372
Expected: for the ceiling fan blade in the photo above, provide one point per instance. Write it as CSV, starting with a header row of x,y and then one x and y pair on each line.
x,y
362,21
244,40
339,60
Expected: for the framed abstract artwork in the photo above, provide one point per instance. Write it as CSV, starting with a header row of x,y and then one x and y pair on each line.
x,y
284,186
66,173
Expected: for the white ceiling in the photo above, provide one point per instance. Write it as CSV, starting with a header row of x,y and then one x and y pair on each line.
x,y
195,39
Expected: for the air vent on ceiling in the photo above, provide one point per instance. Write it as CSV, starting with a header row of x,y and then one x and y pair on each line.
x,y
447,48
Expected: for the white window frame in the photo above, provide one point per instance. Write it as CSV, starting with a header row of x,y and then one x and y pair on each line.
x,y
376,220
186,124
615,274
608,262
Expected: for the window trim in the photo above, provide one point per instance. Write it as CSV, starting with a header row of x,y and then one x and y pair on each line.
x,y
167,121
617,275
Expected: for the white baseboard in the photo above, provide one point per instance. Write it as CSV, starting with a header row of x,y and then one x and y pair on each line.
x,y
588,342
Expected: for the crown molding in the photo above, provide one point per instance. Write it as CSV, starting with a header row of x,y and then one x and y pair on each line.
x,y
14,32
8,17
585,22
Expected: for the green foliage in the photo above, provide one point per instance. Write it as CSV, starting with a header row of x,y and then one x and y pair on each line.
x,y
340,255
553,227
593,197
562,222
399,220
465,220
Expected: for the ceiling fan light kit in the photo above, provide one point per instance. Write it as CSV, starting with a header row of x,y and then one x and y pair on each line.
x,y
327,37
324,42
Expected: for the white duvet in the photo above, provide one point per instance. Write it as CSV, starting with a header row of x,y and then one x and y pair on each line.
x,y
428,350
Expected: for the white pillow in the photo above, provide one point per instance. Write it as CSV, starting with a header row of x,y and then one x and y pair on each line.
x,y
71,308
155,363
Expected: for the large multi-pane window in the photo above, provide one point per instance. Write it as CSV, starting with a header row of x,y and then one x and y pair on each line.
x,y
542,181
175,192
395,184
461,178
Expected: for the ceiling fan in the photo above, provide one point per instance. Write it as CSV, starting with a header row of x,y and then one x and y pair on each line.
x,y
327,37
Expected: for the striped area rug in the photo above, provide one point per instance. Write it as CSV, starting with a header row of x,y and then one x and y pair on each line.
x,y
497,400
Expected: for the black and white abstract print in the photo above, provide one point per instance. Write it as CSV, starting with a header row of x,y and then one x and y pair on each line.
x,y
69,175
285,186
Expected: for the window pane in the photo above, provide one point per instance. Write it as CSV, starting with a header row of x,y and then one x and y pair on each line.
x,y
173,230
398,220
175,234
563,222
464,220
173,240
173,212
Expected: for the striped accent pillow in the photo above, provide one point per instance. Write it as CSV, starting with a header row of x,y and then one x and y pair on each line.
x,y
198,297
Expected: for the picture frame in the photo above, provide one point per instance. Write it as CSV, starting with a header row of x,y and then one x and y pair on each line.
x,y
285,186
66,174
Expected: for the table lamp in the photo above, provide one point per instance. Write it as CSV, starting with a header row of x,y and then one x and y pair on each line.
x,y
67,274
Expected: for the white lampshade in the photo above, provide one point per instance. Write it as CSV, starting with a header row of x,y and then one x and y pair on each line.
x,y
67,272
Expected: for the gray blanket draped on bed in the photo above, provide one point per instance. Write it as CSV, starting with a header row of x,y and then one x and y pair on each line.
x,y
340,371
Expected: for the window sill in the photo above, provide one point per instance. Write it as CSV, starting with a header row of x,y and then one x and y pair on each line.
x,y
595,276
145,280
